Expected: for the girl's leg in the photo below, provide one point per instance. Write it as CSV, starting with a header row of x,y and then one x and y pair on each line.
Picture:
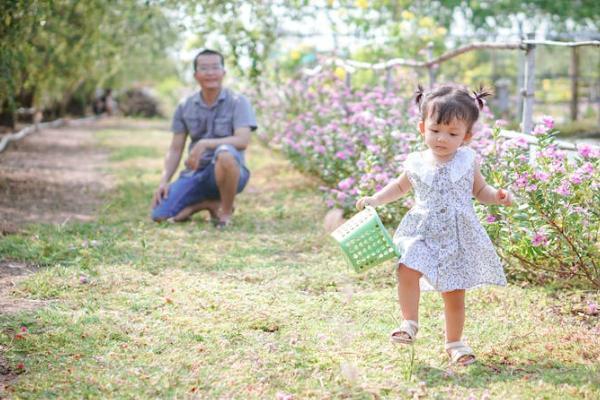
x,y
454,311
409,292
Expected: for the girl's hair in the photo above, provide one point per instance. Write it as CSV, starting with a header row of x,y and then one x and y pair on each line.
x,y
448,102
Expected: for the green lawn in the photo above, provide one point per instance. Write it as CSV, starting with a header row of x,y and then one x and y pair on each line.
x,y
266,307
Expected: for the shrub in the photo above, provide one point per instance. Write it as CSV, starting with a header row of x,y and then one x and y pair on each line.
x,y
356,142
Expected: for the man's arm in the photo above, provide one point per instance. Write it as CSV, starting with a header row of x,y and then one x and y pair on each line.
x,y
240,140
172,159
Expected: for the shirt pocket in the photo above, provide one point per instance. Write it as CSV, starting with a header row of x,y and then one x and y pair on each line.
x,y
196,125
223,127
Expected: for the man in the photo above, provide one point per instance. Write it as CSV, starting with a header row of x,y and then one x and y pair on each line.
x,y
219,123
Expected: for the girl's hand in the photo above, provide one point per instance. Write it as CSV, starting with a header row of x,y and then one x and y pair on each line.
x,y
503,197
365,201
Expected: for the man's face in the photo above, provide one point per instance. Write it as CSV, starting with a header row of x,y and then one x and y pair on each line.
x,y
209,71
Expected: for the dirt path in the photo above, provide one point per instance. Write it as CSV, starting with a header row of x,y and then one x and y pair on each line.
x,y
52,176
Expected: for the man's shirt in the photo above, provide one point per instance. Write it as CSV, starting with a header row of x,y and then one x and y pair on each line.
x,y
230,112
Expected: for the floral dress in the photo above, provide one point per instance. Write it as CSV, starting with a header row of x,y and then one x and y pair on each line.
x,y
441,236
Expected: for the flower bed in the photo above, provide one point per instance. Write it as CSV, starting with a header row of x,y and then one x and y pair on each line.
x,y
356,141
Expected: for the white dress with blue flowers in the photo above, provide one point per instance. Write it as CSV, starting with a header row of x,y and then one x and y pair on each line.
x,y
441,236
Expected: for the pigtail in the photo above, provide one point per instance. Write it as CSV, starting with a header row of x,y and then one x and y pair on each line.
x,y
479,96
419,94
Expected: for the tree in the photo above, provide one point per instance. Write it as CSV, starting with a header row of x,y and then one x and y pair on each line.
x,y
51,50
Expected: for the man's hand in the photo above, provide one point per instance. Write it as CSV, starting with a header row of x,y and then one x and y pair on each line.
x,y
193,160
161,193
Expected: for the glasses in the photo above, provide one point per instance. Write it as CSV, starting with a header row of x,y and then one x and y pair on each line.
x,y
209,68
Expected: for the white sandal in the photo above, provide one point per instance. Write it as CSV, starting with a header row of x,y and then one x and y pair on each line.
x,y
460,353
406,332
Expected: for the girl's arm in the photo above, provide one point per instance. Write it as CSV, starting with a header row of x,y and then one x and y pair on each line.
x,y
392,191
487,194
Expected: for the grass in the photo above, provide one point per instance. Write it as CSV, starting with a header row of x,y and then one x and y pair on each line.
x,y
582,127
266,307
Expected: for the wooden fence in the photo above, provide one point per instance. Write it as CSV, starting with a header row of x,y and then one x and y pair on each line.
x,y
527,45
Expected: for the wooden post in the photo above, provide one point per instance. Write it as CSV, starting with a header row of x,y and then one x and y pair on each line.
x,y
431,68
348,80
598,98
520,81
389,79
529,87
574,83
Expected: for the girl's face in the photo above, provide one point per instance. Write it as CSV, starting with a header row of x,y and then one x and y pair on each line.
x,y
444,139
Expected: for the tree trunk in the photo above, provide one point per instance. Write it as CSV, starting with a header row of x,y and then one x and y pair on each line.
x,y
25,100
7,116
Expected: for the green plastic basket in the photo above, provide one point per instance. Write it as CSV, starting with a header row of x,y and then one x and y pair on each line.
x,y
364,240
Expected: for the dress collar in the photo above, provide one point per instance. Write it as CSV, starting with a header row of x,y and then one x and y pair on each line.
x,y
424,166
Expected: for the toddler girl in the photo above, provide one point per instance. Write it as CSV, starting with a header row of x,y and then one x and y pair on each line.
x,y
443,245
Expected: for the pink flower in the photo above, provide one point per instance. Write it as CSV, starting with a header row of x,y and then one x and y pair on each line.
x,y
381,177
585,150
588,151
541,176
341,155
586,168
373,148
548,121
521,180
490,219
501,123
539,239
540,129
346,184
516,142
563,189
557,167
575,178
531,187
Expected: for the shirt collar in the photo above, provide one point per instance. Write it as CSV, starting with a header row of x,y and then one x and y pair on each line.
x,y
198,98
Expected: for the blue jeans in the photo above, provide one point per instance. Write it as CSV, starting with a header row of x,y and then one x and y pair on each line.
x,y
193,187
